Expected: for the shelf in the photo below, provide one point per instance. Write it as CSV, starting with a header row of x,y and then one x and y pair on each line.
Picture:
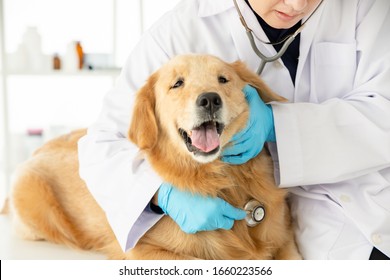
x,y
99,72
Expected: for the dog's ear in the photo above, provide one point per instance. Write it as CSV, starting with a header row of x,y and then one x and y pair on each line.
x,y
143,128
248,76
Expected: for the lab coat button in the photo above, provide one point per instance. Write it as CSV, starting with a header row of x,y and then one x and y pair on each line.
x,y
376,238
345,198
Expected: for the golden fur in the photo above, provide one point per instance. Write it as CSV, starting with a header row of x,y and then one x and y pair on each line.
x,y
51,202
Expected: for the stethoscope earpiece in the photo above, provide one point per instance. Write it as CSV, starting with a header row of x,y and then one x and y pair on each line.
x,y
255,213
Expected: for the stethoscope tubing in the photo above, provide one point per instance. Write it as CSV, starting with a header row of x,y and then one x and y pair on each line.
x,y
266,59
287,42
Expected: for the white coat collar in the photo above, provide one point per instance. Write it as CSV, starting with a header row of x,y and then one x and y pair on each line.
x,y
210,8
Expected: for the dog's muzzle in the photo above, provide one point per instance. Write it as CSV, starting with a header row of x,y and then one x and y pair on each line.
x,y
203,138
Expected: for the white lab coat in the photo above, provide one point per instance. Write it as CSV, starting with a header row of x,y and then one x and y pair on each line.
x,y
333,139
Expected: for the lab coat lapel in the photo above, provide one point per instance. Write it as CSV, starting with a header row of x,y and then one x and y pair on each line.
x,y
307,37
241,41
274,71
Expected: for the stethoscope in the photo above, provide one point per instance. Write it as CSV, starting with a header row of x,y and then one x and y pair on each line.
x,y
286,41
255,213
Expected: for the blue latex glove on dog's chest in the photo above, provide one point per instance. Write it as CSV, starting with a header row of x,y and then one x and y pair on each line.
x,y
193,212
249,142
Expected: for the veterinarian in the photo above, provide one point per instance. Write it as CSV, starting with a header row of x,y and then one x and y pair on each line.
x,y
330,144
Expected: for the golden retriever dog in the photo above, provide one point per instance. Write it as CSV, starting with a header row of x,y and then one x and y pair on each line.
x,y
183,117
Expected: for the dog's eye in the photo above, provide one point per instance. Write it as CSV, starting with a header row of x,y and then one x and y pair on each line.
x,y
222,80
179,83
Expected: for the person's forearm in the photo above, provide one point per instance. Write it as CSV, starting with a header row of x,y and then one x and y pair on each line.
x,y
327,140
115,181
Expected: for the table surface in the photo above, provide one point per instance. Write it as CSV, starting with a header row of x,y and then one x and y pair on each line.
x,y
13,247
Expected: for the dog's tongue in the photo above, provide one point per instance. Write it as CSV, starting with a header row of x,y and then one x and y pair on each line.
x,y
205,138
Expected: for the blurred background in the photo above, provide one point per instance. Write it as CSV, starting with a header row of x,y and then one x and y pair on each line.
x,y
57,60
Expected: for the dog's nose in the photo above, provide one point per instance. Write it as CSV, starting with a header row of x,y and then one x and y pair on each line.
x,y
209,101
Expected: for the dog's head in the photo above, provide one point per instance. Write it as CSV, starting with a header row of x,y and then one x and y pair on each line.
x,y
196,103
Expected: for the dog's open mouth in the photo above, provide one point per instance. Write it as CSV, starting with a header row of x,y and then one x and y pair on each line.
x,y
203,139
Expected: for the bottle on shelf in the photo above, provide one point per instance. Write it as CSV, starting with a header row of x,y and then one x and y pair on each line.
x,y
74,57
56,62
80,54
32,43
34,139
71,58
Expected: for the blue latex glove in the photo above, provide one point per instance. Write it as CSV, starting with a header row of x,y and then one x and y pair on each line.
x,y
249,142
194,212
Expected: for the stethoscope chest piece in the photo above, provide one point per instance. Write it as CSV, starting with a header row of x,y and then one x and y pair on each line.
x,y
255,213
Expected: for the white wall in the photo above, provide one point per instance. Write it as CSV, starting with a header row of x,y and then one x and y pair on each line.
x,y
57,102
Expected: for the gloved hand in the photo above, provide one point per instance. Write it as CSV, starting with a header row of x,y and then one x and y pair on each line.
x,y
249,142
194,212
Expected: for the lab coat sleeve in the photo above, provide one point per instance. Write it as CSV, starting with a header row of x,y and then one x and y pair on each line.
x,y
117,178
348,135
